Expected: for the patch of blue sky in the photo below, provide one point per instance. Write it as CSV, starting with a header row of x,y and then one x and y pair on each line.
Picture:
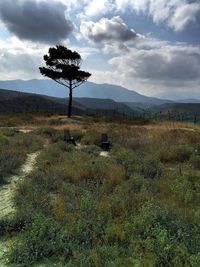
x,y
144,25
98,61
4,34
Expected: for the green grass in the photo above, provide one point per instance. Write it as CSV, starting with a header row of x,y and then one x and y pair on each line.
x,y
130,209
14,147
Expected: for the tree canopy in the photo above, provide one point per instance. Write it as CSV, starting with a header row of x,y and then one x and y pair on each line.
x,y
63,66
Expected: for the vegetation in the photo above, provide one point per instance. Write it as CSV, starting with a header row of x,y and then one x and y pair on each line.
x,y
137,207
14,147
63,66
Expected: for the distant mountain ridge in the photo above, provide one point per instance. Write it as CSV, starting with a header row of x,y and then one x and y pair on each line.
x,y
13,102
88,90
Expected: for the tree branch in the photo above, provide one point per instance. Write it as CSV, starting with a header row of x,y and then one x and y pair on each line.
x,y
76,84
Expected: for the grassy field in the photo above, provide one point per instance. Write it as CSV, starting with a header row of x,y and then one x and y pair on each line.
x,y
137,207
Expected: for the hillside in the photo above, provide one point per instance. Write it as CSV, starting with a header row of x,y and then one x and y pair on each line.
x,y
12,102
190,108
88,89
178,111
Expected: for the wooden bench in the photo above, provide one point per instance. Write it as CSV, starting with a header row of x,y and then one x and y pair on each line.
x,y
68,137
105,144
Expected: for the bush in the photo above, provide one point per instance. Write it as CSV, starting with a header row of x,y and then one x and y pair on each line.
x,y
150,167
165,236
183,152
10,159
3,139
195,161
43,240
180,153
11,225
91,138
128,159
92,150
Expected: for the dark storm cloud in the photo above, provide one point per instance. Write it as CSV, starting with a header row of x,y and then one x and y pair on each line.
x,y
36,21
169,64
176,66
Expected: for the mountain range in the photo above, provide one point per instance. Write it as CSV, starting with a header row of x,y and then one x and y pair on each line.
x,y
88,90
46,96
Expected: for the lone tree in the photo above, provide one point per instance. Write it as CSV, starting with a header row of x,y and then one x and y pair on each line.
x,y
63,66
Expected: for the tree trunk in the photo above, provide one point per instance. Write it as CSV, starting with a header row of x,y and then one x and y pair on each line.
x,y
70,100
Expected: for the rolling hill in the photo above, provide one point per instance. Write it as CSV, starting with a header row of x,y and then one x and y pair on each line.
x,y
19,102
177,111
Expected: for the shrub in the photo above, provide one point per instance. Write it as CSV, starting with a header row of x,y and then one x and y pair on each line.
x,y
77,134
10,159
150,167
195,161
91,138
128,159
178,153
11,224
92,150
183,152
43,240
3,139
163,234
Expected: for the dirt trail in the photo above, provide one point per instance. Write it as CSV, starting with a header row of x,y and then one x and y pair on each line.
x,y
7,191
7,207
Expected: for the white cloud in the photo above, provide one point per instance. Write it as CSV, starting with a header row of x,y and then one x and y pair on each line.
x,y
160,70
20,59
175,13
107,30
96,7
147,65
183,15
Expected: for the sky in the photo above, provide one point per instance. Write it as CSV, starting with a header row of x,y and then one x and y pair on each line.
x,y
150,46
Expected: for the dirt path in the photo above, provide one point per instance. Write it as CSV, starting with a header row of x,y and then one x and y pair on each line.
x,y
7,191
7,207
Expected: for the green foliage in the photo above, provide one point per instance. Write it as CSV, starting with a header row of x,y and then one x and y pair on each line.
x,y
179,153
13,150
11,224
195,161
151,167
43,240
15,120
128,159
148,166
92,150
130,209
3,138
91,138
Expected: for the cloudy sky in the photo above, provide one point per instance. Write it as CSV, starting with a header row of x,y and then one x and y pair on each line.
x,y
150,46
